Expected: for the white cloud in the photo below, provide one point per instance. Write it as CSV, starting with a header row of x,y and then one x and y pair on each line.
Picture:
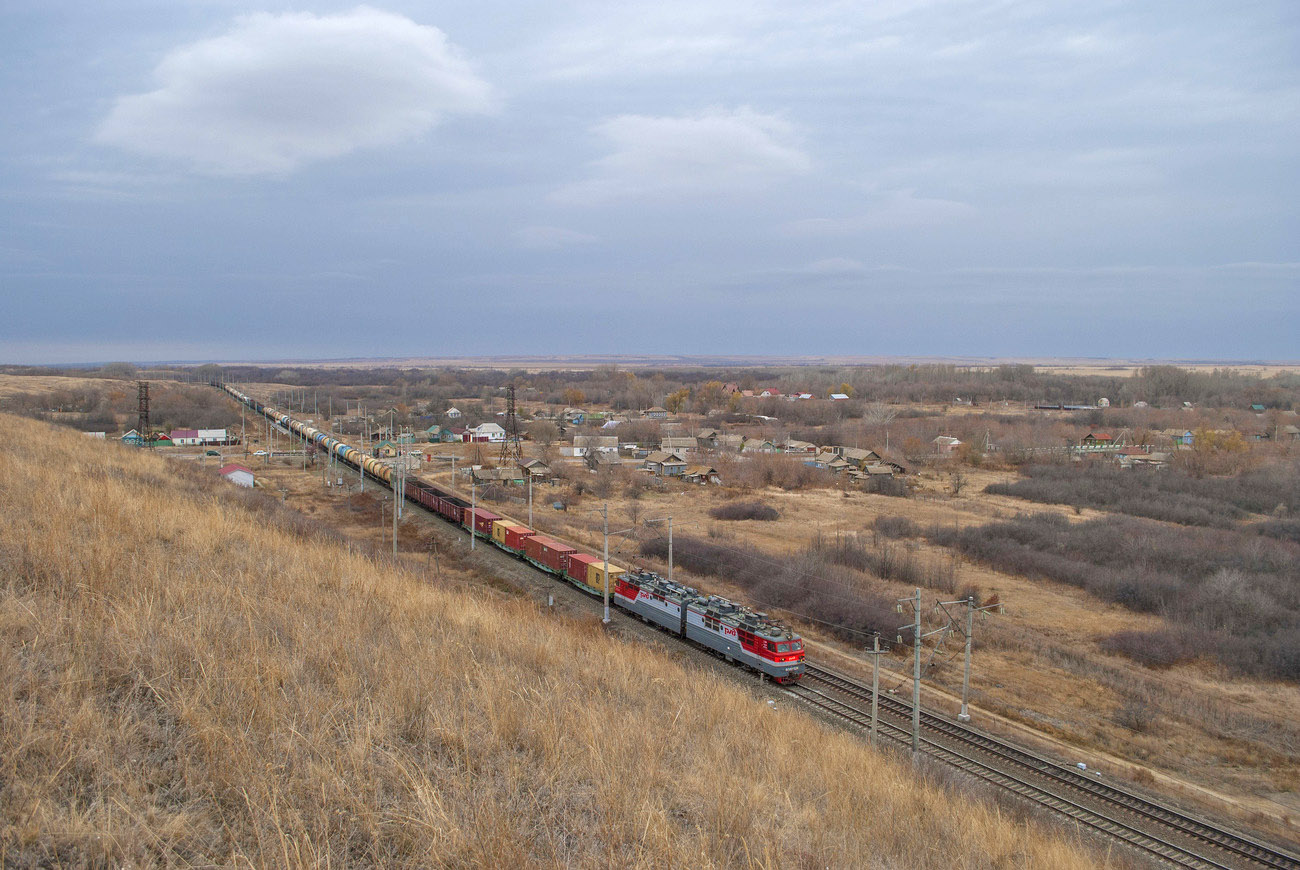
x,y
278,91
551,238
718,150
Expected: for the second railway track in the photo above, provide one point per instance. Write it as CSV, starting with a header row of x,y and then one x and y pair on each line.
x,y
1153,829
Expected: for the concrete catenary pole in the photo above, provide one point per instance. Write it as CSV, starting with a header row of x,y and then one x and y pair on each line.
x,y
473,510
916,675
964,715
670,549
605,582
875,684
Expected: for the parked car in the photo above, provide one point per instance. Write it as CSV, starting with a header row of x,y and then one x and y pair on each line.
x,y
259,452
213,453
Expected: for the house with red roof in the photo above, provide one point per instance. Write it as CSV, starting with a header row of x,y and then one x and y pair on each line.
x,y
238,474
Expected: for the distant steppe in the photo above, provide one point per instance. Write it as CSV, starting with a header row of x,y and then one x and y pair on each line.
x,y
1059,365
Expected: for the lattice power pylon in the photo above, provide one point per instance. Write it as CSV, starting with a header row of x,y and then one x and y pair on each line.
x,y
142,427
510,452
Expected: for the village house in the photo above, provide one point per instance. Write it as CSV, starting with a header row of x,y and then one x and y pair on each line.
x,y
731,443
859,456
536,469
1290,432
385,450
665,464
441,435
238,474
806,448
453,413
501,476
676,444
599,459
707,439
701,474
489,432
1097,439
945,445
185,437
585,444
657,413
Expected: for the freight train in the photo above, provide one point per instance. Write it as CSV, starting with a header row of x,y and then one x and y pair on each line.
x,y
735,631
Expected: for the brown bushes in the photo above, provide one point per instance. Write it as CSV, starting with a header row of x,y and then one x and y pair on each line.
x,y
1155,649
1237,589
1160,495
745,510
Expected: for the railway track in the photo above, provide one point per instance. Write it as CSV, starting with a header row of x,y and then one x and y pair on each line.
x,y
1152,829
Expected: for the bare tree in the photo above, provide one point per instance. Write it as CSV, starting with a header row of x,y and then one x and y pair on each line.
x,y
878,414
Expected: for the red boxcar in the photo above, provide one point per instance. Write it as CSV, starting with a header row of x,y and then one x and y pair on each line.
x,y
577,567
483,521
547,553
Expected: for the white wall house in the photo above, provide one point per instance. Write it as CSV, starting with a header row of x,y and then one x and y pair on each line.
x,y
237,474
453,413
489,432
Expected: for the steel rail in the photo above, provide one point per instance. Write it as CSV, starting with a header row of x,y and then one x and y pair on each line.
x,y
1142,841
1237,844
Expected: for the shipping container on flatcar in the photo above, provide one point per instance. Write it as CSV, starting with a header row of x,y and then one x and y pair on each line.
x,y
511,536
596,580
480,521
576,569
547,553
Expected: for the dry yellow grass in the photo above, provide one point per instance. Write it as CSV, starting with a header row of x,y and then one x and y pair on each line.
x,y
182,681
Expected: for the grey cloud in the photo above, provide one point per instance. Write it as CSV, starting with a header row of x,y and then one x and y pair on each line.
x,y
278,91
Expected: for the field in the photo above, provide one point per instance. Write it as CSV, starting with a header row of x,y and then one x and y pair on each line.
x,y
194,674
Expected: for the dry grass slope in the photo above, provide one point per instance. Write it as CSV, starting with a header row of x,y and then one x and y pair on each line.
x,y
183,684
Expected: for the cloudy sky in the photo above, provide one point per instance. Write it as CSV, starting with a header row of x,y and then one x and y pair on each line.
x,y
220,180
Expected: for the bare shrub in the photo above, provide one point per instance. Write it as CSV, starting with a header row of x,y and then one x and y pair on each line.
x,y
1155,649
896,527
745,510
1135,715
